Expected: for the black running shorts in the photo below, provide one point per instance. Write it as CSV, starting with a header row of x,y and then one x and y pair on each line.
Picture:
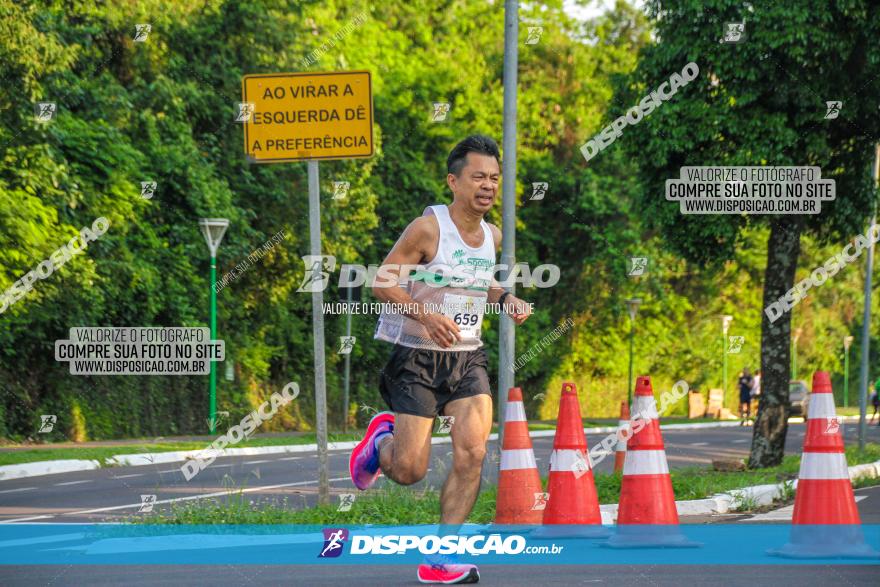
x,y
420,382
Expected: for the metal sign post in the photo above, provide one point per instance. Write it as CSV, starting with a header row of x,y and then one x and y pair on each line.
x,y
506,334
318,333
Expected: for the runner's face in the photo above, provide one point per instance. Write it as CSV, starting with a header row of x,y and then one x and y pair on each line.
x,y
477,184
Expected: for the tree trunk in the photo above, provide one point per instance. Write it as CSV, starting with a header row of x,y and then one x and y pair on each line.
x,y
771,424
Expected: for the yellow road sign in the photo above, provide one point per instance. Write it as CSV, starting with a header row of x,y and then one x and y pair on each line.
x,y
299,116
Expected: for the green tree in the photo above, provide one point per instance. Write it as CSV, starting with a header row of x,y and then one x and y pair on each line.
x,y
760,102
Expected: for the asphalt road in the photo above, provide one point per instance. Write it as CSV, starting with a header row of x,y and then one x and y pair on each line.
x,y
392,576
114,494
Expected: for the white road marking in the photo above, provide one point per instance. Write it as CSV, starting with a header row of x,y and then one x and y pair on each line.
x,y
741,440
699,443
176,499
128,476
291,458
74,482
25,519
203,496
19,489
255,462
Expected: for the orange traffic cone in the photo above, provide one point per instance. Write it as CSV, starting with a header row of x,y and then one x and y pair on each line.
x,y
824,498
573,498
646,497
520,494
622,435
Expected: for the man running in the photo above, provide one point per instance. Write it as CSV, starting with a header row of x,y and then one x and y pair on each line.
x,y
438,365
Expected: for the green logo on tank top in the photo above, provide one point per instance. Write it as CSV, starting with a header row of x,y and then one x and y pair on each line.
x,y
479,262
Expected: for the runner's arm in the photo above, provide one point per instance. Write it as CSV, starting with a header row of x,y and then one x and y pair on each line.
x,y
519,310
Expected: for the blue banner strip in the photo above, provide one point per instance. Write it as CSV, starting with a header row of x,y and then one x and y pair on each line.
x,y
710,544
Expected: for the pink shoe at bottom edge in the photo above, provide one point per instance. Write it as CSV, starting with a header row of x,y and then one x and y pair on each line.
x,y
448,574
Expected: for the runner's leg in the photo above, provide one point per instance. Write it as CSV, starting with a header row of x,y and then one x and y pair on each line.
x,y
404,455
470,431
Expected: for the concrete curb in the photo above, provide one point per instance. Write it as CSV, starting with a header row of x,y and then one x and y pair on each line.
x,y
46,468
722,503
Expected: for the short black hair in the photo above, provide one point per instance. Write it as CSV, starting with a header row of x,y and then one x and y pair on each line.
x,y
472,144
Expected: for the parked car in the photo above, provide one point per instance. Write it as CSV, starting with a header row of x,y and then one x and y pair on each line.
x,y
798,397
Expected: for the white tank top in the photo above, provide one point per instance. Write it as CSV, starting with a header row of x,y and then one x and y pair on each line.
x,y
455,282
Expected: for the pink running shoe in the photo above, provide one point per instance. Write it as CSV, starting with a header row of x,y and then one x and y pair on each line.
x,y
364,462
446,570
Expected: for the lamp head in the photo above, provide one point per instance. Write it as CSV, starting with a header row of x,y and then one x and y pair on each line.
x,y
213,230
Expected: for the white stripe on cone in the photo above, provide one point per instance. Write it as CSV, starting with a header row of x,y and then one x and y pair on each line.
x,y
514,412
518,458
823,465
645,462
565,459
821,406
644,407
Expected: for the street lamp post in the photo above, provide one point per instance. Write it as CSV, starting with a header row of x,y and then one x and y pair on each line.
x,y
866,317
213,230
352,294
632,306
797,335
847,341
725,326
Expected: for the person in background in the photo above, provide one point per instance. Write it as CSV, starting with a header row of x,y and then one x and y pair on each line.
x,y
755,393
875,400
746,383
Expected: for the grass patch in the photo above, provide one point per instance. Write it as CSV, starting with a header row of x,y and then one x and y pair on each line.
x,y
392,504
851,411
